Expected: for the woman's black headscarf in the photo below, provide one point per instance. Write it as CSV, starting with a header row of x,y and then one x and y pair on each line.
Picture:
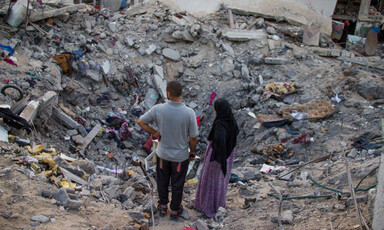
x,y
223,133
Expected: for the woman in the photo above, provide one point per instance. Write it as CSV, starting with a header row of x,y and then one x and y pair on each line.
x,y
218,161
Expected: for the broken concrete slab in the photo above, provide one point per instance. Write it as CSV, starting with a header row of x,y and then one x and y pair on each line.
x,y
244,35
30,112
294,12
20,105
64,118
360,62
161,85
171,54
90,136
311,35
47,100
3,134
276,61
67,198
37,16
184,35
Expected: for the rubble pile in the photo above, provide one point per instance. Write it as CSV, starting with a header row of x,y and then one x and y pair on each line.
x,y
87,74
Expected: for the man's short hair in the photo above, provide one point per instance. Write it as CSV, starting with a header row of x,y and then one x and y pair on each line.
x,y
174,88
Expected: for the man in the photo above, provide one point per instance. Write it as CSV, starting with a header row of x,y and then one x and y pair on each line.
x,y
177,130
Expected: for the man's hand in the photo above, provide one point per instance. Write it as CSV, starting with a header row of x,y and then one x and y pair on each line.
x,y
149,129
156,135
192,156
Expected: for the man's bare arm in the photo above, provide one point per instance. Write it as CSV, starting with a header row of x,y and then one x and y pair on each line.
x,y
192,148
156,134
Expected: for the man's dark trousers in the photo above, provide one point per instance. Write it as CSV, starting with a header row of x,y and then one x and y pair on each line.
x,y
176,172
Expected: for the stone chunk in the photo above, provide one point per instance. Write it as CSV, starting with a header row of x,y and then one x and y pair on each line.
x,y
286,217
159,81
359,199
68,198
183,35
64,118
242,36
150,49
275,61
171,54
353,153
30,112
40,219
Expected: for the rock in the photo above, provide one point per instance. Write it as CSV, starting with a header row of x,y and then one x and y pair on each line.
x,y
271,30
86,165
275,61
141,185
340,207
112,192
136,215
350,202
200,225
46,193
228,48
249,175
304,175
78,139
68,198
286,217
183,35
5,171
35,224
129,42
326,208
353,153
150,49
171,54
245,72
371,88
112,27
72,132
40,219
287,177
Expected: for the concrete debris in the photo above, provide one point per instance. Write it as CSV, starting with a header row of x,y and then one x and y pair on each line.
x,y
171,54
40,219
68,198
37,16
242,35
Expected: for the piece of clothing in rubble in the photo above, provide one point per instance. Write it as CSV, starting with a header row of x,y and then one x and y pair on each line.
x,y
279,89
218,161
118,126
64,61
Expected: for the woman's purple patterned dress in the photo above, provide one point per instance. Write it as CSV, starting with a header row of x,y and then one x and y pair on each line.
x,y
212,187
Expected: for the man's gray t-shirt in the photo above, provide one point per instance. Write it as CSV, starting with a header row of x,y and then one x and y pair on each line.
x,y
176,124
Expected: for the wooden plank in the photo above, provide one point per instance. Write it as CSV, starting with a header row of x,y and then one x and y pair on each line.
x,y
90,136
70,176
